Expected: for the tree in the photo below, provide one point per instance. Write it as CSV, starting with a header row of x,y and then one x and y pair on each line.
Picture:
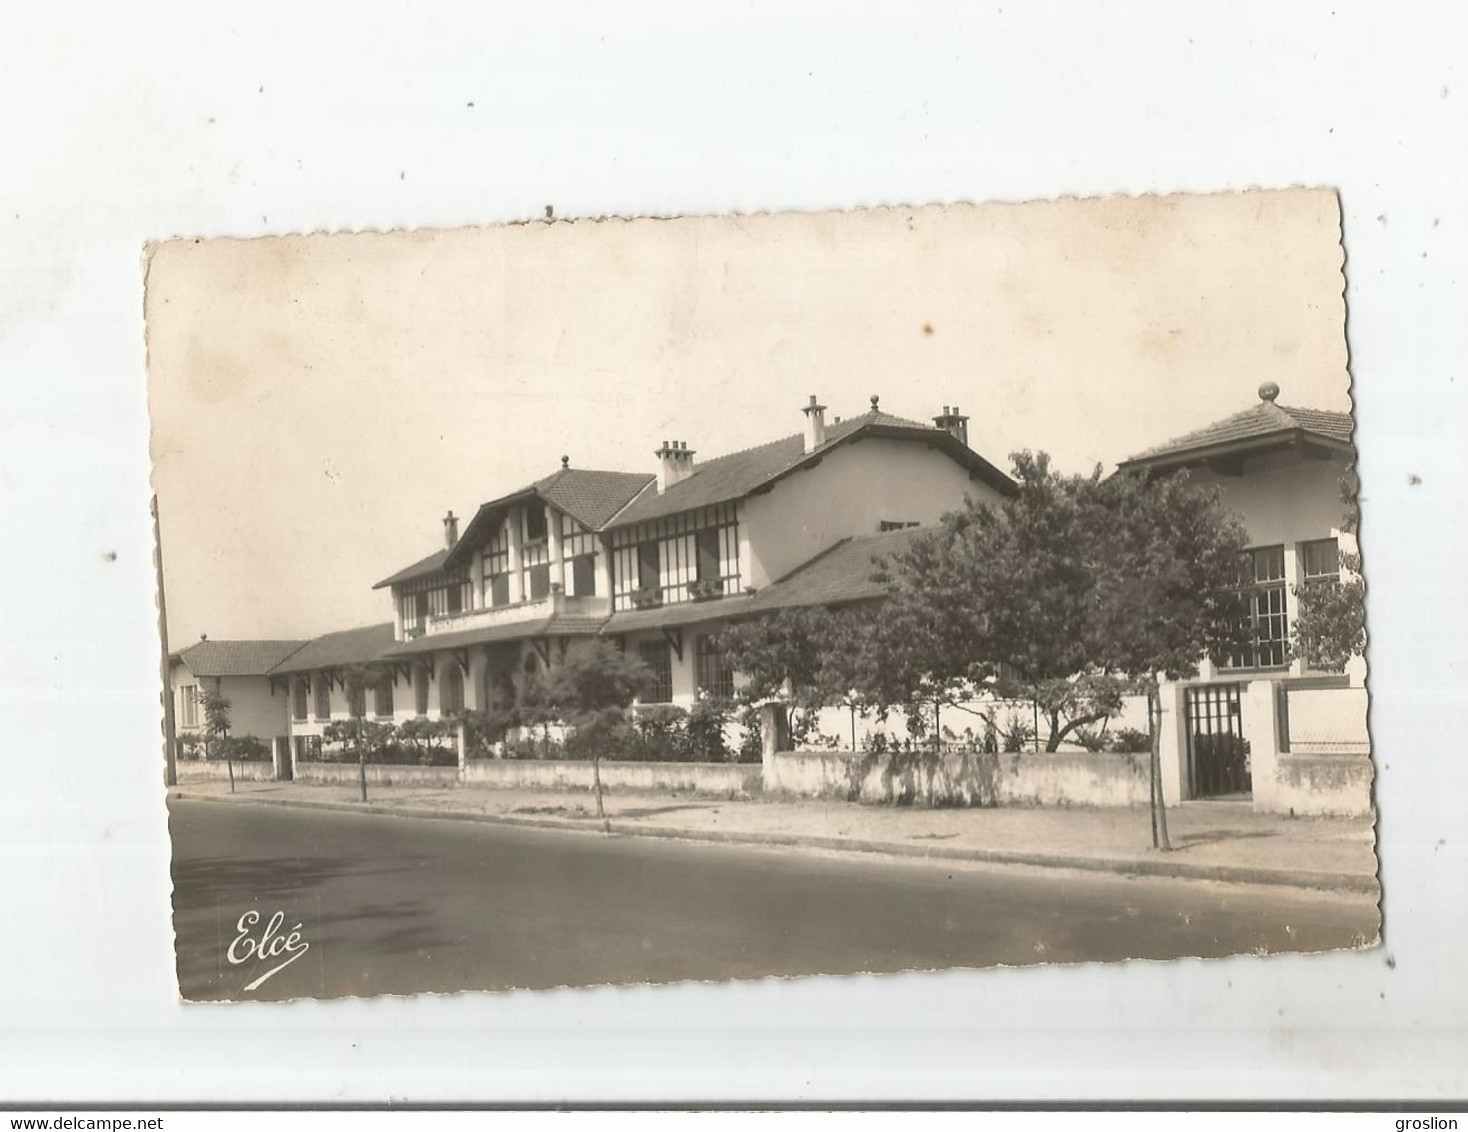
x,y
1166,553
1001,595
803,658
216,727
357,679
1330,614
591,690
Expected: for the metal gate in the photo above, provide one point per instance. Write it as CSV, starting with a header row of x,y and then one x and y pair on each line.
x,y
1218,754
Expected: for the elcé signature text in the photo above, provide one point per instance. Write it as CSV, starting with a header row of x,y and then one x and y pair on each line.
x,y
271,944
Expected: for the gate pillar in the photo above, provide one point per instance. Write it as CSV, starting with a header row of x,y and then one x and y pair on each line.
x,y
1173,745
1261,729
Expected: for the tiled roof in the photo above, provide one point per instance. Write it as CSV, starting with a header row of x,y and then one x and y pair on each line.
x,y
235,658
841,573
591,498
344,647
679,613
726,478
1259,423
429,565
560,625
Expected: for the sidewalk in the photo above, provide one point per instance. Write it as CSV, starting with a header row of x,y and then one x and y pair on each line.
x,y
1213,840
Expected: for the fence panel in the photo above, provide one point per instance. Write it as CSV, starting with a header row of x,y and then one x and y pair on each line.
x,y
1325,721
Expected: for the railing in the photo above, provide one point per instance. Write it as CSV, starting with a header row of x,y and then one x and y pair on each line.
x,y
550,605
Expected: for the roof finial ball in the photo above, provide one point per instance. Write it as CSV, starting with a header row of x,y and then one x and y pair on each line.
x,y
1268,391
565,461
875,399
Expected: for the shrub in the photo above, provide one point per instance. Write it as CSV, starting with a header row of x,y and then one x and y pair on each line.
x,y
1019,733
1130,740
190,746
242,749
703,731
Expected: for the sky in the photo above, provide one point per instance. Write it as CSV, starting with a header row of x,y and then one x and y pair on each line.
x,y
318,402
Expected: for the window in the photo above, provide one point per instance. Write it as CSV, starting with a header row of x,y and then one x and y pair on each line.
x,y
356,701
535,525
658,656
496,562
1320,561
420,690
188,705
1262,584
583,575
690,556
300,695
539,581
323,697
382,697
708,555
647,565
715,677
885,525
450,690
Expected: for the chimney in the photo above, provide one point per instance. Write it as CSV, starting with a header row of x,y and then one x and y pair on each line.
x,y
675,464
815,424
450,530
955,422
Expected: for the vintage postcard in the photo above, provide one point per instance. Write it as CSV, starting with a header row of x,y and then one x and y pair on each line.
x,y
632,601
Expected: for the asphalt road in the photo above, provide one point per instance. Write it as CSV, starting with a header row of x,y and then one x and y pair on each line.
x,y
401,905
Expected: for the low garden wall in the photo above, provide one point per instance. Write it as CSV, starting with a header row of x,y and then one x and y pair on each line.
x,y
217,771
554,774
1320,785
963,778
380,774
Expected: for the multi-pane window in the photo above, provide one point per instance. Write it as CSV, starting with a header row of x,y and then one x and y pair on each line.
x,y
420,690
715,676
535,563
1262,584
578,547
691,555
382,697
658,656
300,693
1320,565
450,690
583,575
323,696
437,595
496,562
1320,561
188,705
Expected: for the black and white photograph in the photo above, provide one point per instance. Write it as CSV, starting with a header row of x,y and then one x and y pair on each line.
x,y
644,601
809,562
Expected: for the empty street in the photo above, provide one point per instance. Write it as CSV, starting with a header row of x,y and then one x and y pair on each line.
x,y
402,905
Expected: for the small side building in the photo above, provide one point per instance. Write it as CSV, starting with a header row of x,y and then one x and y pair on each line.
x,y
1266,723
241,672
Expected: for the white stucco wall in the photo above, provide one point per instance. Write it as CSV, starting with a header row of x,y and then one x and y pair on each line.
x,y
1283,498
253,709
849,492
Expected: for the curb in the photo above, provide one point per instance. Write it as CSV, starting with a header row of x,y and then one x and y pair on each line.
x,y
1179,870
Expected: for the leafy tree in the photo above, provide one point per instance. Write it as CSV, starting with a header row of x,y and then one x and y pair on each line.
x,y
216,728
1166,554
1001,595
1330,616
805,658
591,690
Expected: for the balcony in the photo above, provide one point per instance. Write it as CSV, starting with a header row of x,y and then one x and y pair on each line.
x,y
553,604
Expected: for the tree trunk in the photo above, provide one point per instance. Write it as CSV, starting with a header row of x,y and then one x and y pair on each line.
x,y
229,762
596,781
1160,839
